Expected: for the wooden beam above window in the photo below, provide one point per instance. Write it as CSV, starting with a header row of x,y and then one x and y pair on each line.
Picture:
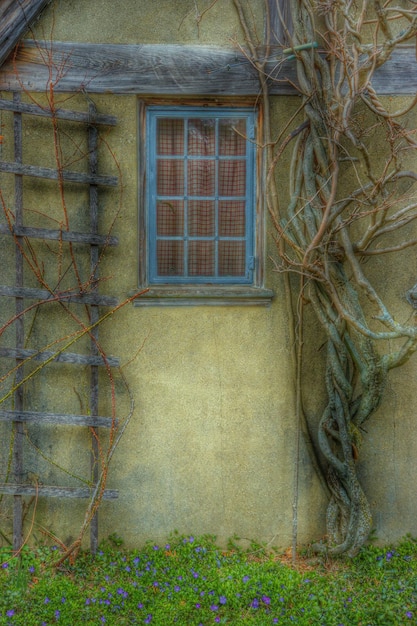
x,y
153,69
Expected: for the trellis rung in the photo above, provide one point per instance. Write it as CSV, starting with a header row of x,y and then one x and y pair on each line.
x,y
46,172
55,492
57,418
59,235
68,297
61,357
62,114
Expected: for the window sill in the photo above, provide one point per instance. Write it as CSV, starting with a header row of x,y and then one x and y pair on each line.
x,y
197,295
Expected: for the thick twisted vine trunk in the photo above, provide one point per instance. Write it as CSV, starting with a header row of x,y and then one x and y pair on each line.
x,y
329,225
317,237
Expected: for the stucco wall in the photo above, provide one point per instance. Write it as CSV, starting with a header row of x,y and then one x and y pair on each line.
x,y
211,446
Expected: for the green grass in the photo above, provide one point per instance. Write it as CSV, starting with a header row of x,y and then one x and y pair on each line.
x,y
191,581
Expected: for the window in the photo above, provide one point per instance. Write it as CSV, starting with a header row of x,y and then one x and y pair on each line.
x,y
198,222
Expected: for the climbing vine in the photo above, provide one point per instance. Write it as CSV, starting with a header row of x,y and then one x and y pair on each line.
x,y
348,204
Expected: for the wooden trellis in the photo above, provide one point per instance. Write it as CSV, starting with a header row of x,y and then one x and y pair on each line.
x,y
19,415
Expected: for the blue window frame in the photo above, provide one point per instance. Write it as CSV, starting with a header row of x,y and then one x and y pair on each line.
x,y
200,164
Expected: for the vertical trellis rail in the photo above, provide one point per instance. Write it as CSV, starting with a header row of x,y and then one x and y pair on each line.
x,y
94,312
18,432
20,414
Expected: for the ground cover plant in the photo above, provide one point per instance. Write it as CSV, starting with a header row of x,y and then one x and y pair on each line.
x,y
193,581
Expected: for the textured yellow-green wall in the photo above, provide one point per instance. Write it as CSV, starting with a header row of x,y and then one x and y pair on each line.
x,y
212,443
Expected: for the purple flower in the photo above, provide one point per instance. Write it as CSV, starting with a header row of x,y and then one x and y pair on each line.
x,y
148,618
217,618
222,599
31,569
5,565
214,607
140,605
10,613
266,599
409,614
245,579
255,603
155,548
198,605
46,601
57,614
102,619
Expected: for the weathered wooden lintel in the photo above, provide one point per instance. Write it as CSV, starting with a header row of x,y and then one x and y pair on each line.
x,y
153,69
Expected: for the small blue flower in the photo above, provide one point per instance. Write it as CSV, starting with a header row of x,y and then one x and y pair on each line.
x,y
245,579
10,613
409,614
148,618
255,603
5,565
214,607
222,599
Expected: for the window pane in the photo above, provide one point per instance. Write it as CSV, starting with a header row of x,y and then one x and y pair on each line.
x,y
170,218
232,219
201,178
202,137
201,258
170,258
232,178
232,137
201,218
170,177
170,136
232,258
